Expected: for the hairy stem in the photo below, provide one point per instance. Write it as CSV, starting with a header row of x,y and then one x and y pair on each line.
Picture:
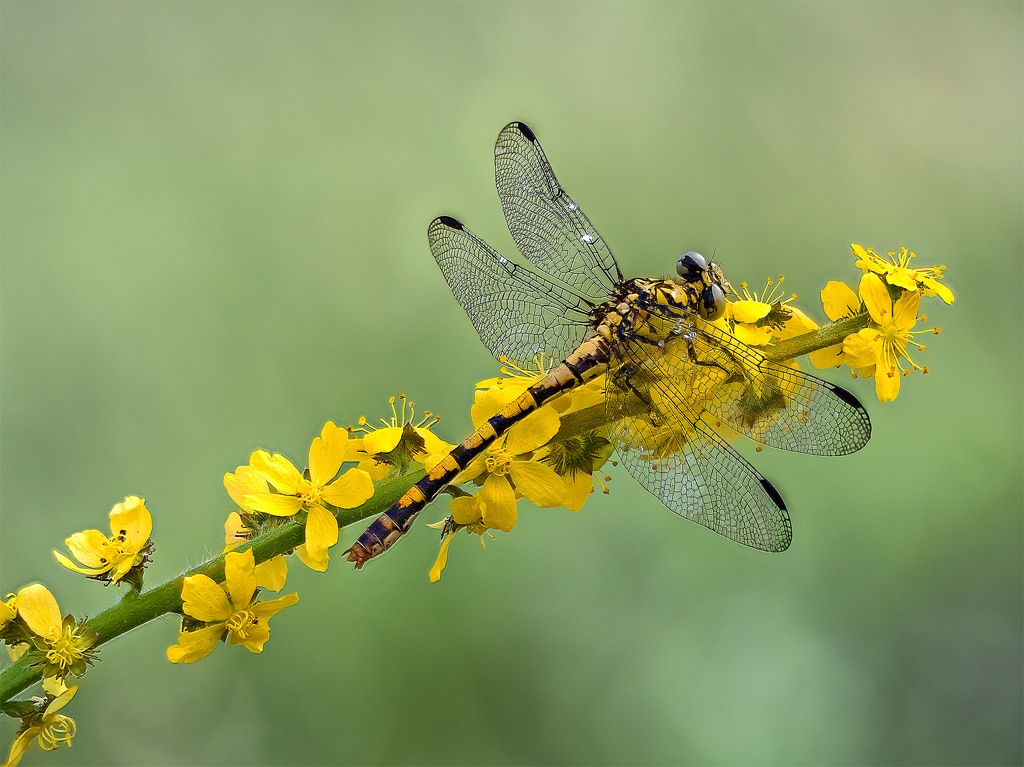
x,y
135,609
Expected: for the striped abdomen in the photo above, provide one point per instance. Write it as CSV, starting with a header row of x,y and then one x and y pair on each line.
x,y
587,362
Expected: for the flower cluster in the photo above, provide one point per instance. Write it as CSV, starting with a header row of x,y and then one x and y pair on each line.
x,y
890,291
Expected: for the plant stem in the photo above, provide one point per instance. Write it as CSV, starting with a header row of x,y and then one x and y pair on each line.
x,y
135,609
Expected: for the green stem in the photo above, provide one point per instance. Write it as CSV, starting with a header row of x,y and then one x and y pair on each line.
x,y
135,609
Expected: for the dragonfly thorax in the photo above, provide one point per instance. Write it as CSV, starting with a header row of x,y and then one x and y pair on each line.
x,y
643,305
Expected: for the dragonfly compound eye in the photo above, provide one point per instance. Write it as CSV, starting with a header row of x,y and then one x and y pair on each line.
x,y
691,266
712,302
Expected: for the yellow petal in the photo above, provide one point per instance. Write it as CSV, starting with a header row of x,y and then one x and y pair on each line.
x,y
753,336
839,300
132,520
488,403
275,504
326,454
829,357
933,285
349,490
533,431
538,482
876,299
887,385
234,530
382,440
442,559
577,490
434,445
38,607
498,503
267,610
87,547
255,637
465,510
60,701
320,565
245,481
905,312
749,311
84,570
204,600
862,348
21,744
277,470
321,534
193,645
272,573
240,577
375,469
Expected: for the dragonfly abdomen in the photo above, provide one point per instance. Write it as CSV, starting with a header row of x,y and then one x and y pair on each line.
x,y
587,362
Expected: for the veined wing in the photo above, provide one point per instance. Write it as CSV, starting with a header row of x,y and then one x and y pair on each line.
x,y
549,228
678,457
518,315
771,404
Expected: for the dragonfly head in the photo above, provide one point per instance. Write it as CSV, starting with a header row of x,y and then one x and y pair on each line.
x,y
694,270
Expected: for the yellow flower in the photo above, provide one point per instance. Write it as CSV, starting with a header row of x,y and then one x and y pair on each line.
x,y
882,350
507,478
8,611
897,271
839,301
230,610
758,320
112,558
399,442
295,493
52,729
577,460
448,530
65,647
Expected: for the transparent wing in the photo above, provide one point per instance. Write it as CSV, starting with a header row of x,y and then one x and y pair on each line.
x,y
771,404
518,315
549,228
679,458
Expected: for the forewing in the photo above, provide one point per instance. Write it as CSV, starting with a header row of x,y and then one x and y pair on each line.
x,y
518,315
549,228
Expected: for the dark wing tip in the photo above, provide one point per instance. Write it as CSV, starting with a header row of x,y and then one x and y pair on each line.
x,y
525,130
861,415
780,540
451,223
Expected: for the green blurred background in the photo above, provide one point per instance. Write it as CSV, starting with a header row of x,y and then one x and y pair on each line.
x,y
214,223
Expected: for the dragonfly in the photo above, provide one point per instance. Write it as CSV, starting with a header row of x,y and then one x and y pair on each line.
x,y
677,386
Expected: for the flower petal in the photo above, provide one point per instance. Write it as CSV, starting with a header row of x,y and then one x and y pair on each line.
x,y
87,547
132,520
382,440
326,454
533,431
272,573
538,482
887,384
577,490
442,559
466,510
240,577
193,645
277,470
38,607
839,300
245,481
876,299
275,504
349,490
204,600
905,312
749,312
83,570
498,503
321,534
862,348
267,610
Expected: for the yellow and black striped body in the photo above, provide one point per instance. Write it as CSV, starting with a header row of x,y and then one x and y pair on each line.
x,y
620,319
